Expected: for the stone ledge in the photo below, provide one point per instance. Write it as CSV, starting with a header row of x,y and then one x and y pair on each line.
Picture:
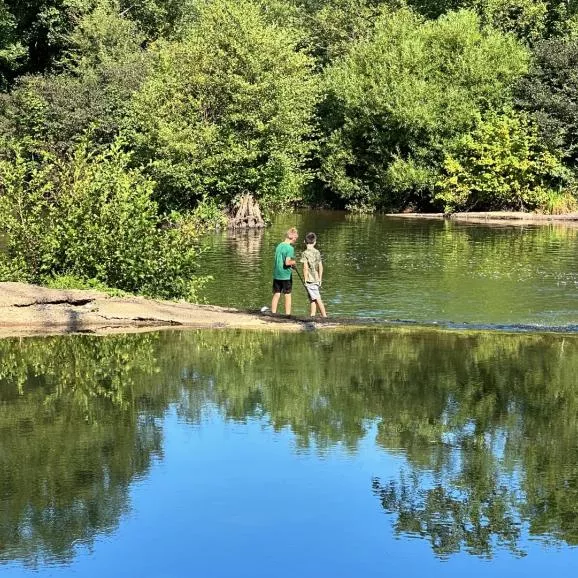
x,y
30,309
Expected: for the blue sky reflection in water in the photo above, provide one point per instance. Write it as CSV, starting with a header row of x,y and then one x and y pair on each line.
x,y
387,452
410,269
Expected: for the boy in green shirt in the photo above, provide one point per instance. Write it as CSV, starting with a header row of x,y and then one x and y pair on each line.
x,y
284,261
313,273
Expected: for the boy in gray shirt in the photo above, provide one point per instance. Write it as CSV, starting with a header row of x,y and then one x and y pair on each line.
x,y
313,274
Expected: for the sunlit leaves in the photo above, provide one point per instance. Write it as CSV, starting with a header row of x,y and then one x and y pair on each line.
x,y
227,110
500,165
399,99
90,217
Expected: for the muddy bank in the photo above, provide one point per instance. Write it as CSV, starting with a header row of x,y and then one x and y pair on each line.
x,y
497,217
32,310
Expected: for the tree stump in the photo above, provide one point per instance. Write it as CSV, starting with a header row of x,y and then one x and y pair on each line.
x,y
248,215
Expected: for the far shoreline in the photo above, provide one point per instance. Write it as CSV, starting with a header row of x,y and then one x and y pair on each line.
x,y
495,217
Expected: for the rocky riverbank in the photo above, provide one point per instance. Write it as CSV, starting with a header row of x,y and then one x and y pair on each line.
x,y
32,310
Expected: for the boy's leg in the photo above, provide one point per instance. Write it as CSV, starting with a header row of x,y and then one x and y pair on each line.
x,y
275,302
321,308
315,299
288,303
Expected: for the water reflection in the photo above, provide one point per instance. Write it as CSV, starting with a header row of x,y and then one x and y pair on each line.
x,y
487,424
72,441
245,244
425,270
472,511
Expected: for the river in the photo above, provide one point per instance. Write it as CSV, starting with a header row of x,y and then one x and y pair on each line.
x,y
430,271
384,451
405,450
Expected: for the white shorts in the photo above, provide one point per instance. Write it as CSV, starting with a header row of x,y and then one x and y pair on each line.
x,y
313,290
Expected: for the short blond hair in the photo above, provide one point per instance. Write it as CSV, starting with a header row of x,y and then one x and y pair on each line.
x,y
292,233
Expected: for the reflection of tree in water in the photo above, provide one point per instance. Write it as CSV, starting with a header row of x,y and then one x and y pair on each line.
x,y
247,244
74,437
474,515
487,422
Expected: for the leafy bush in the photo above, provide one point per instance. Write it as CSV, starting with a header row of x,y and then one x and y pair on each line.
x,y
501,165
397,101
11,50
91,218
208,215
227,111
332,25
527,19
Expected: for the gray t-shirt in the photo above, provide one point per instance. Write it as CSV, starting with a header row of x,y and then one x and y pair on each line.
x,y
313,259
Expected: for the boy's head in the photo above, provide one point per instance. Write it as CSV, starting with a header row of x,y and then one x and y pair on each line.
x,y
292,235
310,238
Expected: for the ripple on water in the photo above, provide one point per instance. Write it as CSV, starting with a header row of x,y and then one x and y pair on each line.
x,y
424,270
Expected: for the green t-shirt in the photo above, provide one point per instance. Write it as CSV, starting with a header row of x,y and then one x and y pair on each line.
x,y
282,252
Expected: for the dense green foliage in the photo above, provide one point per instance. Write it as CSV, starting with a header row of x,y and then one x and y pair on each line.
x,y
226,110
367,104
102,68
501,164
399,100
550,93
90,217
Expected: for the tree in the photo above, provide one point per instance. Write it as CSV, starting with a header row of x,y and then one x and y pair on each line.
x,y
42,28
550,93
501,165
397,101
11,50
527,19
160,18
228,110
436,8
90,217
332,25
101,69
36,34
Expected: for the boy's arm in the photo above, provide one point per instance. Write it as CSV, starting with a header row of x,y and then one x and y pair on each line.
x,y
320,271
305,269
290,259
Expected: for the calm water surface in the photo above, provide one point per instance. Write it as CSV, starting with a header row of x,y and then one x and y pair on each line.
x,y
424,270
388,452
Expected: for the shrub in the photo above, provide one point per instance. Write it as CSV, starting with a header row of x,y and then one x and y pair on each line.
x,y
11,50
560,203
501,165
104,65
91,218
550,93
527,19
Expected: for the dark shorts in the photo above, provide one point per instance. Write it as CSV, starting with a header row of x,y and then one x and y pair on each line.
x,y
282,286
